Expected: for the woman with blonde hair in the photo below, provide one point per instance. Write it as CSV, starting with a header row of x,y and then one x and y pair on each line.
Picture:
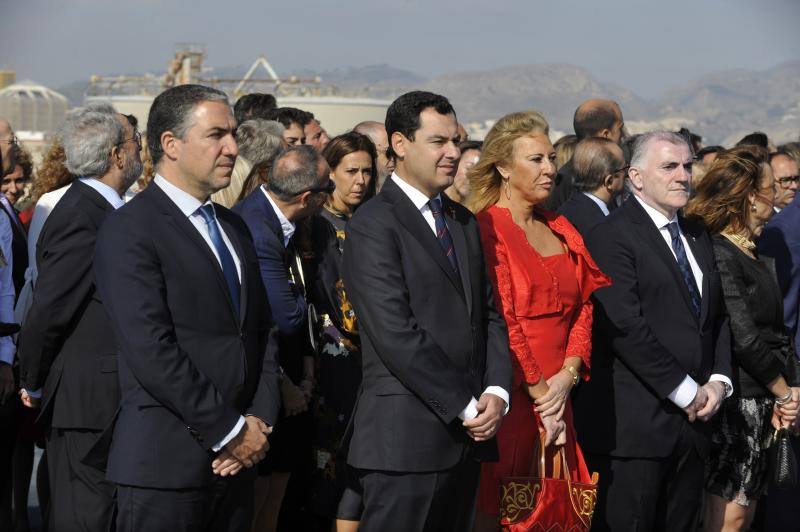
x,y
543,277
734,201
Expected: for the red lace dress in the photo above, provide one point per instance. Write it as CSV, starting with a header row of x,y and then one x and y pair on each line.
x,y
545,302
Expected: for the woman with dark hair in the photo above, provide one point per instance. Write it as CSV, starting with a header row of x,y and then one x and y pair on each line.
x,y
734,202
352,159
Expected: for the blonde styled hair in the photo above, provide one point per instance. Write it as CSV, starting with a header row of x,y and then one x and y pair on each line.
x,y
498,149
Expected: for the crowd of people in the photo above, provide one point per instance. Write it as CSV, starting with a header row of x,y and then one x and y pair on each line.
x,y
232,321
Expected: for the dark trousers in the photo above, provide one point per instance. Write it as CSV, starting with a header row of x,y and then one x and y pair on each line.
x,y
649,494
416,502
81,497
224,505
10,415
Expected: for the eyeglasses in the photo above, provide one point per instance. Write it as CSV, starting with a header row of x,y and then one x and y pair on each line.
x,y
137,138
13,140
624,170
788,180
330,187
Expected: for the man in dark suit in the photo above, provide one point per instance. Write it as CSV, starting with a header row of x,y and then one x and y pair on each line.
x,y
299,181
436,365
67,351
661,354
599,178
593,118
198,381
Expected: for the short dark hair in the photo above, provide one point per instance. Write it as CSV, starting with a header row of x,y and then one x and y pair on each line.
x,y
288,180
587,122
290,115
465,145
403,115
757,138
254,105
708,149
593,160
348,143
171,111
693,139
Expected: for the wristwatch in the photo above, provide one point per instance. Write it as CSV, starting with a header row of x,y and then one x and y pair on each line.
x,y
728,388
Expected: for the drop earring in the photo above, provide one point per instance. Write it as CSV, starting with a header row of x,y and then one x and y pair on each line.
x,y
508,188
753,207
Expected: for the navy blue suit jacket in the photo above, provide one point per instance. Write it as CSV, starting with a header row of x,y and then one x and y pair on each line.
x,y
286,301
781,241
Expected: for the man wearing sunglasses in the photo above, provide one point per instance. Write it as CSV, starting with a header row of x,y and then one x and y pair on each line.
x,y
787,178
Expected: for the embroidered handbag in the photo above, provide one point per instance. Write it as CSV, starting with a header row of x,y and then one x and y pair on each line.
x,y
541,503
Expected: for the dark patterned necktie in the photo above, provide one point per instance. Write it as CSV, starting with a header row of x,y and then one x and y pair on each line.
x,y
685,267
442,233
225,257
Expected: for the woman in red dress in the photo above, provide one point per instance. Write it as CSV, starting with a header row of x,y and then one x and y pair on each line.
x,y
543,277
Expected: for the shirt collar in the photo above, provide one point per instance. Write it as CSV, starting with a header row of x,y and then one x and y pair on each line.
x,y
600,203
287,227
659,219
417,197
187,203
104,190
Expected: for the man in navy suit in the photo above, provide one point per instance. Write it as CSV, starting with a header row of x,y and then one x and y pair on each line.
x,y
599,178
179,279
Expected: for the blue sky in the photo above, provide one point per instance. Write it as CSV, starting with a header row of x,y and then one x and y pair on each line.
x,y
644,45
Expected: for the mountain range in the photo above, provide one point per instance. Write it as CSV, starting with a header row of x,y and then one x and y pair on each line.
x,y
722,106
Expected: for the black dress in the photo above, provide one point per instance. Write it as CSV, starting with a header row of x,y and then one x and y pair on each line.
x,y
338,371
737,465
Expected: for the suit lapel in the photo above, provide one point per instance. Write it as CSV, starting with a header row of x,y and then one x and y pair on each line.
x,y
174,216
652,236
460,245
410,218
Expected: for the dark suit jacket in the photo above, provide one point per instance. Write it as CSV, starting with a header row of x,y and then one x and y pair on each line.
x,y
647,338
189,367
430,338
781,241
19,250
67,345
563,188
287,304
582,212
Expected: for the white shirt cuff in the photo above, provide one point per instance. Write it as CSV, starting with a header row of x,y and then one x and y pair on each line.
x,y
684,394
231,435
722,378
471,411
502,394
36,394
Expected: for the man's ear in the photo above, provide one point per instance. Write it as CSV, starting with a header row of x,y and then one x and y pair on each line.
x,y
169,144
118,157
608,181
635,177
399,144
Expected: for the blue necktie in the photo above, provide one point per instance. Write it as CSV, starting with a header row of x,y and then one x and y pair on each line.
x,y
683,264
225,257
442,233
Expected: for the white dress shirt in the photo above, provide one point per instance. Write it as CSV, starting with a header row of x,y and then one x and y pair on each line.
x,y
600,203
684,394
420,201
190,207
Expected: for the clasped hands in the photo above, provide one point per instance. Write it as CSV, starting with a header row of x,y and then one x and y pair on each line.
x,y
706,401
245,450
550,406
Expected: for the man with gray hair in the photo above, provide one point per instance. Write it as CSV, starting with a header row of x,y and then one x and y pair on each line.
x,y
67,351
600,173
198,380
258,140
377,134
661,349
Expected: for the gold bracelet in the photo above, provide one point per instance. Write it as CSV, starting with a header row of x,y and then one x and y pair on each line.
x,y
574,372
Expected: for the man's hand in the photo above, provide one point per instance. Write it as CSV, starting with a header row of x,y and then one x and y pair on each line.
x,y
715,392
6,382
293,398
490,414
226,464
28,400
250,445
559,386
700,399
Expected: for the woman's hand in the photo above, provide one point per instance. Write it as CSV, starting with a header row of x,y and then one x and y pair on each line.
x,y
294,400
789,410
559,386
555,430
